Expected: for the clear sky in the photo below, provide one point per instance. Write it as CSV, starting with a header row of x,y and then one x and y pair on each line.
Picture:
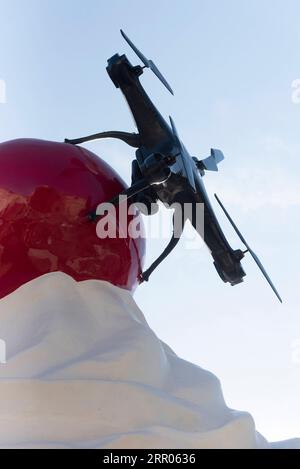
x,y
231,64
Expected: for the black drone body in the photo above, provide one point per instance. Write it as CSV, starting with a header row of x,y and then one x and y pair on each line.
x,y
164,170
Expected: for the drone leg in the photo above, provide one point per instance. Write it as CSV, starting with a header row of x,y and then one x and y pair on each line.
x,y
172,244
131,139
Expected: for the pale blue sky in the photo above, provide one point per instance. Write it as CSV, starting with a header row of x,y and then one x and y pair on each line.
x,y
231,64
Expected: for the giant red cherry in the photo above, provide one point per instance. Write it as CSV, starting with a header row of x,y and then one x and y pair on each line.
x,y
47,191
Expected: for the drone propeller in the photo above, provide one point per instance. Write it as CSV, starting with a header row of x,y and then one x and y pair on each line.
x,y
211,163
256,259
147,62
184,158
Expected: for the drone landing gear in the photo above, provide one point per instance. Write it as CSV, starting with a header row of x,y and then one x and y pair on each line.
x,y
140,188
172,244
131,139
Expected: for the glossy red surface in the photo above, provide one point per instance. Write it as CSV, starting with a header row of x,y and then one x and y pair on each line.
x,y
46,191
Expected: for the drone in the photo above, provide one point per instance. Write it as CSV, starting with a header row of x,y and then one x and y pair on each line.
x,y
164,171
